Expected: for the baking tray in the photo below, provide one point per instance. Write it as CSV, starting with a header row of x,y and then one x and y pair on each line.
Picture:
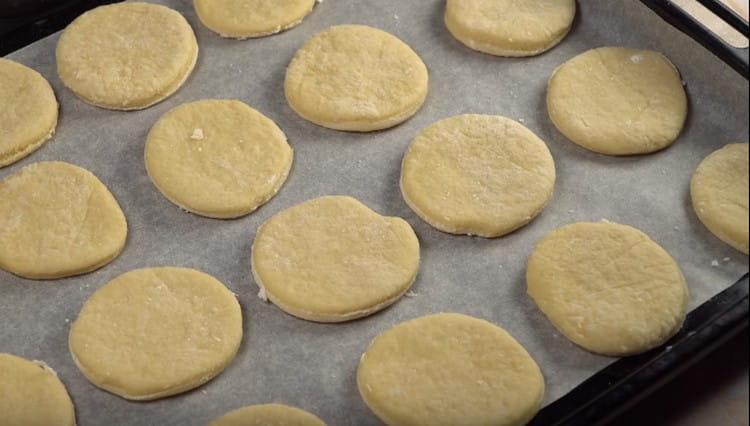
x,y
312,365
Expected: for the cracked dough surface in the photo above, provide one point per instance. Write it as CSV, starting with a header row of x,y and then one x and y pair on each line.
x,y
126,56
618,101
356,78
268,415
217,158
152,333
32,394
719,190
510,27
607,287
478,175
243,19
449,369
59,220
28,111
332,259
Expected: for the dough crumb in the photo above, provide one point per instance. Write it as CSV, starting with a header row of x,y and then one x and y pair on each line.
x,y
197,135
727,259
262,295
715,263
411,294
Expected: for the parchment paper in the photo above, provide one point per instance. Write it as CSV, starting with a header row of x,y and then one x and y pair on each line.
x,y
312,366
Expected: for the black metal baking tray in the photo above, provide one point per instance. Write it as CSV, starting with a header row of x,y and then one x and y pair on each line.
x,y
614,389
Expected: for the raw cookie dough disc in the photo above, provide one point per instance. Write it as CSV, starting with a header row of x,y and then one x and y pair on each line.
x,y
356,78
217,158
32,395
28,111
126,56
720,194
242,19
449,369
58,220
607,287
152,333
618,101
478,175
268,415
510,27
332,259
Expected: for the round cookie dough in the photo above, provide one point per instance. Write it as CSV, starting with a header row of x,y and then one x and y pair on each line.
x,y
510,27
618,101
126,56
217,158
32,395
268,415
28,111
607,287
58,220
152,333
719,190
356,78
449,369
332,259
243,19
478,175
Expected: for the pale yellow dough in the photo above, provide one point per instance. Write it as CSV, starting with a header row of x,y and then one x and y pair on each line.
x,y
152,333
607,287
449,369
510,27
58,220
332,259
268,415
478,175
31,394
618,101
356,78
720,194
126,56
242,19
28,111
217,158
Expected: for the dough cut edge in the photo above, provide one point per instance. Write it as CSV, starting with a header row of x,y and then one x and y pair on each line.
x,y
24,152
249,36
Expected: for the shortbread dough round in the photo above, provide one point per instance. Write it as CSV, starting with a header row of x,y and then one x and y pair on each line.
x,y
510,27
332,259
356,78
618,101
478,175
32,394
268,415
217,158
28,111
152,333
449,369
242,19
58,220
607,287
126,56
720,194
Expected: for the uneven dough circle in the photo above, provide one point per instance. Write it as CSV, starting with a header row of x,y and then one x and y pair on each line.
x,y
58,220
268,415
478,175
332,259
449,369
510,27
607,287
618,101
152,333
32,395
242,19
719,190
356,78
217,158
126,56
28,111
